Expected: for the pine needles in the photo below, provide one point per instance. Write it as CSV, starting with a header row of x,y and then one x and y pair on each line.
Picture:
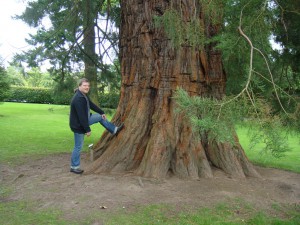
x,y
180,32
215,119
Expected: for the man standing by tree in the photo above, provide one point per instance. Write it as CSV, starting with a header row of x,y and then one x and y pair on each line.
x,y
81,119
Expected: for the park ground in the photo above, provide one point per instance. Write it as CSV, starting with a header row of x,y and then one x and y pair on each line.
x,y
47,183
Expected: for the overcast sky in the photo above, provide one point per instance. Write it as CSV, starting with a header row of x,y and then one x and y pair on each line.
x,y
13,32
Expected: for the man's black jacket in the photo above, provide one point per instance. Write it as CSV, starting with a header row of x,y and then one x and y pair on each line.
x,y
79,118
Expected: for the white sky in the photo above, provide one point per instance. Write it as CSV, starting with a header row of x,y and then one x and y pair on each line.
x,y
13,32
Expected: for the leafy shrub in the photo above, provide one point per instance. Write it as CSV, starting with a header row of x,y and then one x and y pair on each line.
x,y
31,95
62,97
63,91
214,119
109,100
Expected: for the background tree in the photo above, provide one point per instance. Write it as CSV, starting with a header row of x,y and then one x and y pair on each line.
x,y
286,33
4,83
286,67
110,79
17,75
90,57
36,78
67,34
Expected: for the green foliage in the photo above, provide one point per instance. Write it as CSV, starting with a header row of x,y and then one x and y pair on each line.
x,y
62,96
113,9
173,26
36,78
50,43
62,40
270,134
109,100
268,76
206,116
4,84
191,31
286,60
63,90
179,31
110,78
235,49
17,76
286,32
213,10
214,119
33,77
31,95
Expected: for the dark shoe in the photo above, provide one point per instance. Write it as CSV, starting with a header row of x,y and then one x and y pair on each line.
x,y
77,171
119,128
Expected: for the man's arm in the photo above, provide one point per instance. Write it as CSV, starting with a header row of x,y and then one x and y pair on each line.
x,y
96,108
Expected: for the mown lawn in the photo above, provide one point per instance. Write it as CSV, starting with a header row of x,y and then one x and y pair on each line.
x,y
257,155
37,129
235,212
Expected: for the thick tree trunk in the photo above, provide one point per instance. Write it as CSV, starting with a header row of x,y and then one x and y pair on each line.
x,y
156,141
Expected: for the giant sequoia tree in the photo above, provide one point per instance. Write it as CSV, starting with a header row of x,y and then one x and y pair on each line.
x,y
156,141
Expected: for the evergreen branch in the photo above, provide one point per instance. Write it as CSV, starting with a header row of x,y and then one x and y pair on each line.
x,y
278,87
250,69
272,79
252,48
252,102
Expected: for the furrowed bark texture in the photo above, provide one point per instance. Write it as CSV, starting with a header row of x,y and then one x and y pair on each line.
x,y
156,141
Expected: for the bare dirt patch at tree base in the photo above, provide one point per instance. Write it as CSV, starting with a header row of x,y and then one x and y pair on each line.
x,y
48,182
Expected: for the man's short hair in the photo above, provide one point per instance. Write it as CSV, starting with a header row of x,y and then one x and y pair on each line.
x,y
83,80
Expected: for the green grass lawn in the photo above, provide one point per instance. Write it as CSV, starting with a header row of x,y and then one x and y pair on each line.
x,y
291,160
230,213
37,129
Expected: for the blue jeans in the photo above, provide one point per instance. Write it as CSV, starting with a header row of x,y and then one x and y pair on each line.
x,y
79,138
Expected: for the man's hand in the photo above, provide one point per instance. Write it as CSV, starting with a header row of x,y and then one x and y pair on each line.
x,y
88,134
103,116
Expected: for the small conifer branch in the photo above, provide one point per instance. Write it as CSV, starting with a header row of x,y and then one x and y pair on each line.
x,y
278,87
250,69
252,102
283,22
272,79
252,48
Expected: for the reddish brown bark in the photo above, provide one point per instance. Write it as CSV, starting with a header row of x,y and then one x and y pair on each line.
x,y
156,141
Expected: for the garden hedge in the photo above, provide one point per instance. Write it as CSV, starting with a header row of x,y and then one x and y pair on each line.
x,y
46,96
